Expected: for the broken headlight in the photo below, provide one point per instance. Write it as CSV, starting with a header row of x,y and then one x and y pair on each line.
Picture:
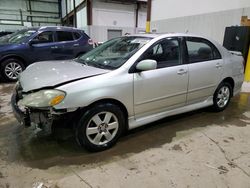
x,y
43,98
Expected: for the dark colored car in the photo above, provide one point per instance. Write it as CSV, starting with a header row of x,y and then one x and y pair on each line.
x,y
4,33
22,48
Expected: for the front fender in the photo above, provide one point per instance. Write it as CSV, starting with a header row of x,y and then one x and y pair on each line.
x,y
84,92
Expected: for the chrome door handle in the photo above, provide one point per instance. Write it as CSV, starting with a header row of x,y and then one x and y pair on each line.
x,y
218,65
75,45
181,71
54,47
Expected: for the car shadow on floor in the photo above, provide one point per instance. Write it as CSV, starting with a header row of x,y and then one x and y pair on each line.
x,y
45,152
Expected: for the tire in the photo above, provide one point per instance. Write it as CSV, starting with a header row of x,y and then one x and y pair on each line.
x,y
100,127
11,68
222,96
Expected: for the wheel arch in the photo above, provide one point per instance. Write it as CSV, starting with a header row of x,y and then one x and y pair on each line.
x,y
230,81
115,102
16,57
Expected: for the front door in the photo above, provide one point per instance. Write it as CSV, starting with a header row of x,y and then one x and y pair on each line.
x,y
164,88
42,47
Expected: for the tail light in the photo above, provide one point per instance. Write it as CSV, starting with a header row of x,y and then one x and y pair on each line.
x,y
90,42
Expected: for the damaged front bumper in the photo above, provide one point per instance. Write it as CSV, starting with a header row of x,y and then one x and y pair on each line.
x,y
42,119
21,115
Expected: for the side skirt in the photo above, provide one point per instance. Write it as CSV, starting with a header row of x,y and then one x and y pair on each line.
x,y
134,123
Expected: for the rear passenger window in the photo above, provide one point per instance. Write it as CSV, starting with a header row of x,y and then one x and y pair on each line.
x,y
201,50
64,36
76,35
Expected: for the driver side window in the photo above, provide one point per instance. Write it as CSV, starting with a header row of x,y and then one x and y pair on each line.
x,y
44,37
166,53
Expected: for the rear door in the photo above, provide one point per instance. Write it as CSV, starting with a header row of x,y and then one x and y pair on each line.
x,y
164,88
205,69
65,45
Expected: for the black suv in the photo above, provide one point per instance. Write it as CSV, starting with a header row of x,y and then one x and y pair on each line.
x,y
20,49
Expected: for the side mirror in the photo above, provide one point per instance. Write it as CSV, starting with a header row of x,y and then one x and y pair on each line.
x,y
34,41
147,64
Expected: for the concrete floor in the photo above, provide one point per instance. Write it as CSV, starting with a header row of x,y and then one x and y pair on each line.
x,y
197,149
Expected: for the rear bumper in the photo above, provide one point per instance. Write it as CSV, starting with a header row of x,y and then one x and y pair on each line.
x,y
22,116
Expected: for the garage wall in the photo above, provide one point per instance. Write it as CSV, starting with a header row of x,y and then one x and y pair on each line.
x,y
142,17
165,9
207,18
112,14
115,16
81,16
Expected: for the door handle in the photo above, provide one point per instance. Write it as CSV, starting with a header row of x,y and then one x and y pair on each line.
x,y
218,65
75,45
54,47
181,71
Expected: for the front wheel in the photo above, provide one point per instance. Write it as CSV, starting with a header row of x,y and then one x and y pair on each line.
x,y
100,127
11,68
222,96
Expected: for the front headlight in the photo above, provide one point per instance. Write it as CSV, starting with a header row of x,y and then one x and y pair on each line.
x,y
43,98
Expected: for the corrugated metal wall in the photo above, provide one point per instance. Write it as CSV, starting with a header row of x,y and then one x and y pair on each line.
x,y
16,14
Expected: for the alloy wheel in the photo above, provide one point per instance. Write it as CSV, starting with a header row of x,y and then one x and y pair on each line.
x,y
12,70
102,128
223,96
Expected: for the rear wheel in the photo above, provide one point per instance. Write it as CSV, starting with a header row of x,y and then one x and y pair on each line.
x,y
100,127
11,68
222,96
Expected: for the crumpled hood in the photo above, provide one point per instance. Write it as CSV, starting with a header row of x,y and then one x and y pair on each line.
x,y
51,73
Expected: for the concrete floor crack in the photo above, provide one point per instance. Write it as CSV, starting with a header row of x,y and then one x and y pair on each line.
x,y
224,153
243,154
88,184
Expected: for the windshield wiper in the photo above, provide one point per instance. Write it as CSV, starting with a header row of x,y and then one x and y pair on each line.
x,y
78,60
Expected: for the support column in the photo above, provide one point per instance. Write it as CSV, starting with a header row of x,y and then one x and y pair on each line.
x,y
89,12
148,16
247,71
75,18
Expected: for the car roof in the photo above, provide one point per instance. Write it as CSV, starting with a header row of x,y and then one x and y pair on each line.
x,y
155,35
54,28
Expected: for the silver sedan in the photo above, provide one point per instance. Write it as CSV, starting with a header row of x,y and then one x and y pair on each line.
x,y
125,83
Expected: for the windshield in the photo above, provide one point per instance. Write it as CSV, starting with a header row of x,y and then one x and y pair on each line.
x,y
18,36
114,53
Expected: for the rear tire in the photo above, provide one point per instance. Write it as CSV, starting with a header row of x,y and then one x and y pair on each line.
x,y
222,96
100,127
11,68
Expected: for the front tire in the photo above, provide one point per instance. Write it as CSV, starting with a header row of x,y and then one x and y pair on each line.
x,y
11,68
100,127
222,96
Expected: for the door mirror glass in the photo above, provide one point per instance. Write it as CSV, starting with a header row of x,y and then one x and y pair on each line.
x,y
147,64
34,41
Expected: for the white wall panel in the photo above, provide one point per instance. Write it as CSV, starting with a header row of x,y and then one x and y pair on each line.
x,y
113,18
112,14
142,17
100,33
81,16
165,9
210,25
